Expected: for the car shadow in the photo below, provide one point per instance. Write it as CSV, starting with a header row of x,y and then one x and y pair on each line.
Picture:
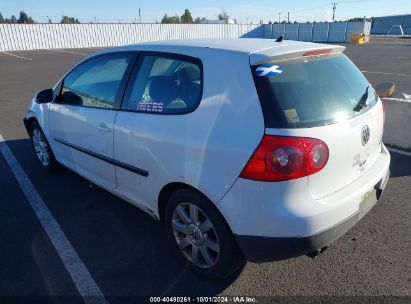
x,y
125,250
400,165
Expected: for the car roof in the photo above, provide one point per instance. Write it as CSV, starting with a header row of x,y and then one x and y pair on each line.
x,y
258,49
246,45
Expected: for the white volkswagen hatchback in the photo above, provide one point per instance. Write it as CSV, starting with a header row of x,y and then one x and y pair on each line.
x,y
246,148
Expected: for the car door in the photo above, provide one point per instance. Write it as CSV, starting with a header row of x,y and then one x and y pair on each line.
x,y
81,118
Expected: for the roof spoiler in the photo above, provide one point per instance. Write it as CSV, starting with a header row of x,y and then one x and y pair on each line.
x,y
280,53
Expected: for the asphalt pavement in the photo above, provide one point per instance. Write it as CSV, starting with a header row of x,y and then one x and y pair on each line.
x,y
384,60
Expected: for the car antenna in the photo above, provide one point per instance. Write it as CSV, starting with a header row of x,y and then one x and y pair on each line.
x,y
279,39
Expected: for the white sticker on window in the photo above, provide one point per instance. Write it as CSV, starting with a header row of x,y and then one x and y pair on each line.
x,y
150,106
267,70
292,116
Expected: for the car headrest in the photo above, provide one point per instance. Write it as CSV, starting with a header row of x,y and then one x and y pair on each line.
x,y
190,93
190,73
163,89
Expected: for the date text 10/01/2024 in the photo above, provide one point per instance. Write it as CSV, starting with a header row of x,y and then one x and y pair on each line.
x,y
223,299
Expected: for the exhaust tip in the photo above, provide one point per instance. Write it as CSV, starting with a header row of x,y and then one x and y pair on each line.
x,y
317,252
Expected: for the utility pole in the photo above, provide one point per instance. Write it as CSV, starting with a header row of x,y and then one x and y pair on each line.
x,y
139,14
279,17
288,17
334,8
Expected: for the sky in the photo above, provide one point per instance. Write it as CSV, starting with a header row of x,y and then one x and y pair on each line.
x,y
242,10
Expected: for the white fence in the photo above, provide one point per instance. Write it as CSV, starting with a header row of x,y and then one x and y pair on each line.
x,y
317,31
55,36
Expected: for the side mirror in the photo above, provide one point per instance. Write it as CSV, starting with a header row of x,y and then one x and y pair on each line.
x,y
385,89
45,96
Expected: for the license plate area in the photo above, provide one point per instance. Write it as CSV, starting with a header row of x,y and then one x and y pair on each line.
x,y
368,200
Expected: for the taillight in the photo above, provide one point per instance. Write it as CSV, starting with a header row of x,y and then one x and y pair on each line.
x,y
281,158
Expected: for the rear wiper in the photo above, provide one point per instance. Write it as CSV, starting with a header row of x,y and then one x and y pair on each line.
x,y
362,102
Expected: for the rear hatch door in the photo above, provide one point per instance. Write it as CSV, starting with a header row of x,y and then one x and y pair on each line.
x,y
324,96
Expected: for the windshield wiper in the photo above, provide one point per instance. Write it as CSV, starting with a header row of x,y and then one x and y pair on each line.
x,y
362,102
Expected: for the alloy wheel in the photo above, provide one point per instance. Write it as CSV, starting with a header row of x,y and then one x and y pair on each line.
x,y
195,235
40,146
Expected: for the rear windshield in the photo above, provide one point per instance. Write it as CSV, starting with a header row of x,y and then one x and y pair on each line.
x,y
312,92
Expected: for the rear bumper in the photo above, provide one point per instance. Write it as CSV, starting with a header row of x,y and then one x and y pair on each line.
x,y
264,249
274,221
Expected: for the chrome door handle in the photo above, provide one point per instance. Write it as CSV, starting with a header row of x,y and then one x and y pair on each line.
x,y
103,127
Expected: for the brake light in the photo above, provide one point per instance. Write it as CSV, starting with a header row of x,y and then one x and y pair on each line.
x,y
317,52
281,158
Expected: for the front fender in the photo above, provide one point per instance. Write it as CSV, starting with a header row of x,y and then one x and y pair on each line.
x,y
37,112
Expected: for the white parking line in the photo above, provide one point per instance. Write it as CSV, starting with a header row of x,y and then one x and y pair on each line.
x,y
399,151
396,99
70,52
15,55
384,73
82,279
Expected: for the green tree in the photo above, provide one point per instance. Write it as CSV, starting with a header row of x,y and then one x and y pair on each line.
x,y
1,18
175,19
24,18
186,17
165,19
171,19
200,20
223,16
69,20
359,19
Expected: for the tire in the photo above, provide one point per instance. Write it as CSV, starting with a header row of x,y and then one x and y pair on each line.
x,y
42,148
204,241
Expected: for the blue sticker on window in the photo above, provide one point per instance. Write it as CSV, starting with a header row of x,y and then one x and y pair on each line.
x,y
267,70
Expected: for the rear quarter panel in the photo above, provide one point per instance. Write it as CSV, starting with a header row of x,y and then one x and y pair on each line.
x,y
206,149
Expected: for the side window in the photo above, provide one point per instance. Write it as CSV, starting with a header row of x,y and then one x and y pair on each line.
x,y
165,85
95,83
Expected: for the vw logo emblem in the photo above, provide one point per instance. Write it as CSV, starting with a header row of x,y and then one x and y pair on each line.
x,y
365,134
